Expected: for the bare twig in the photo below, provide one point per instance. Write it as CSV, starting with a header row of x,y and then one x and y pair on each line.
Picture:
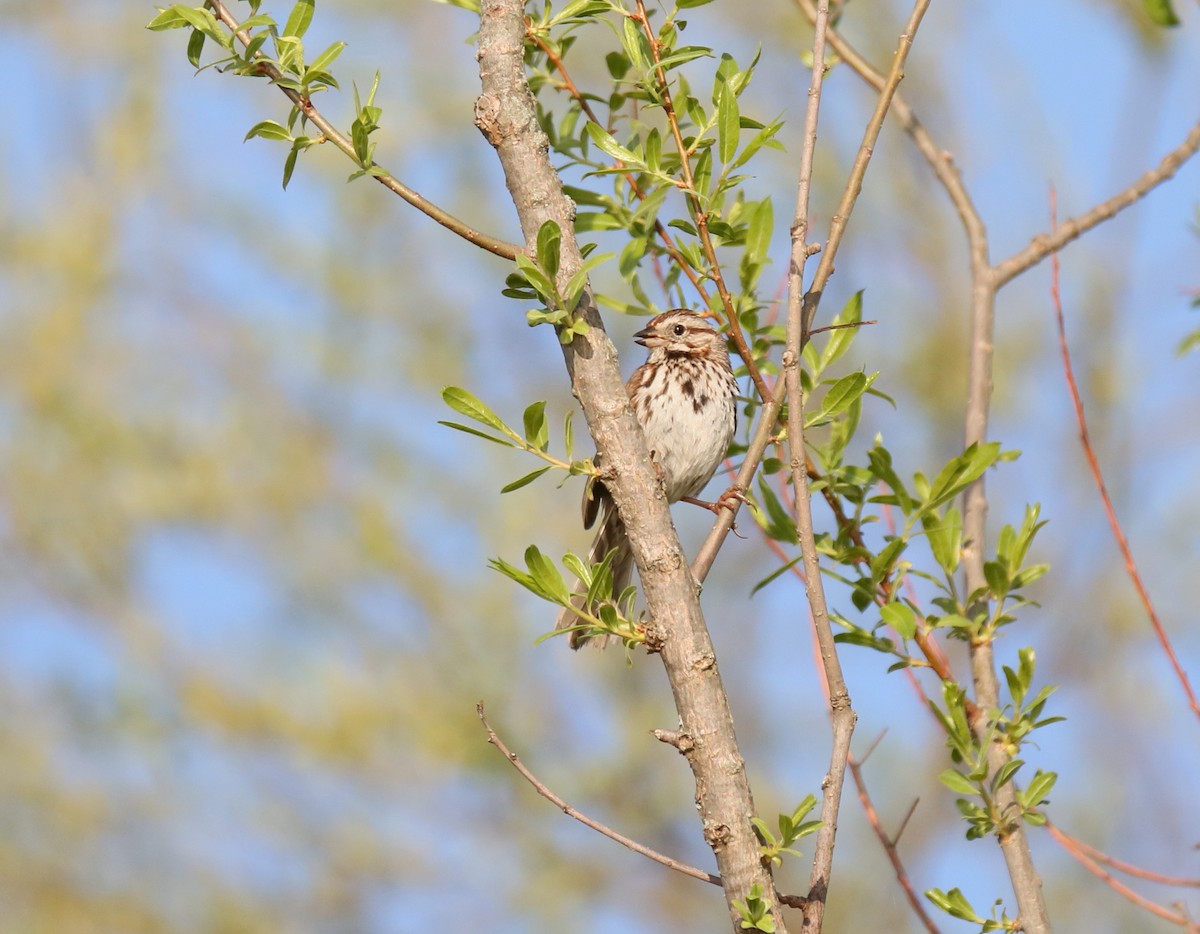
x,y
842,713
1098,477
387,180
802,308
1074,846
1094,867
1044,244
841,216
578,815
889,845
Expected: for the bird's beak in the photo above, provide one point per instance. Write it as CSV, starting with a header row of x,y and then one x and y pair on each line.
x,y
642,336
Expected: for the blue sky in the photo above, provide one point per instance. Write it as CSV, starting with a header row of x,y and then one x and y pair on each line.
x,y
1025,95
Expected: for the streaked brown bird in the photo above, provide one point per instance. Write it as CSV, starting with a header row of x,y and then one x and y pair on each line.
x,y
684,396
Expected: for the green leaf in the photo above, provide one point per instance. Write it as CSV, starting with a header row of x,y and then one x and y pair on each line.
x,y
546,574
298,21
635,45
728,124
326,58
961,472
758,233
1039,787
466,404
525,480
954,903
477,433
901,618
536,432
945,538
841,395
170,18
268,129
289,166
536,278
765,137
841,338
195,47
1160,12
610,146
1006,773
549,243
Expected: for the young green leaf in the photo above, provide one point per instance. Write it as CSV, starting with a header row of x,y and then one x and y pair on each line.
x,y
536,432
298,21
549,243
901,618
525,480
728,124
610,146
466,404
268,129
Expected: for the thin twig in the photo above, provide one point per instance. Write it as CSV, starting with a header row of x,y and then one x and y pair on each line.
x,y
1092,866
1075,845
841,709
1089,452
841,216
802,308
890,847
387,180
578,815
1044,244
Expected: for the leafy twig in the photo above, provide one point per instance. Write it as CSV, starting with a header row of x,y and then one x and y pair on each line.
x,y
389,181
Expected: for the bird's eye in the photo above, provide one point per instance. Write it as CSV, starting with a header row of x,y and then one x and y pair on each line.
x,y
679,330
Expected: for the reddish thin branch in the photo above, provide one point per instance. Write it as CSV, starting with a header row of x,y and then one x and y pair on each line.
x,y
1075,846
1098,478
1094,867
889,845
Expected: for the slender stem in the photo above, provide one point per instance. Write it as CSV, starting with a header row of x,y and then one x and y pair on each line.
x,y
890,847
1043,245
342,142
1085,440
858,171
578,815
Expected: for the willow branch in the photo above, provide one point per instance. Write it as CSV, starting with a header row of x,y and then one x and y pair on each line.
x,y
858,171
335,136
506,114
1094,867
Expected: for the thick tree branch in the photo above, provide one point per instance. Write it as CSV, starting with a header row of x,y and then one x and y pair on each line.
x,y
506,114
387,180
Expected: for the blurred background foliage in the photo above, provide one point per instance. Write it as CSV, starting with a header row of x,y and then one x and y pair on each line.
x,y
244,607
